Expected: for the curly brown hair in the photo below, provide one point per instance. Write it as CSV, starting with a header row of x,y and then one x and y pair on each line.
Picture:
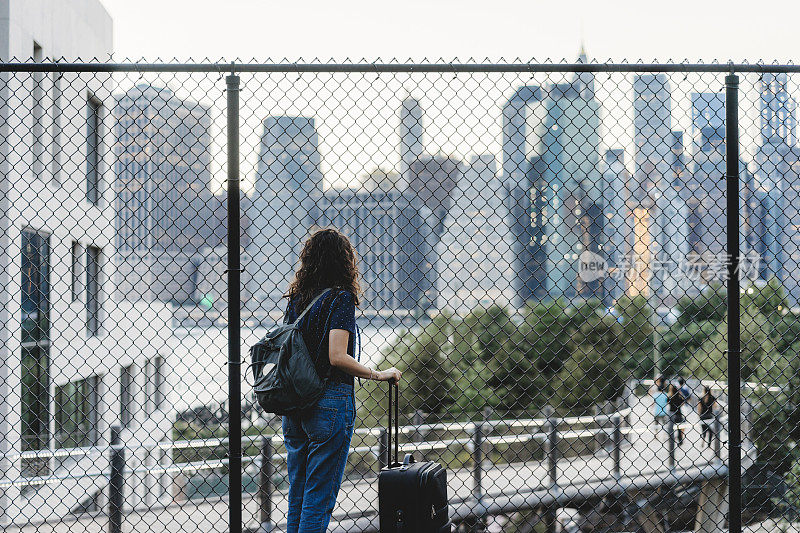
x,y
327,260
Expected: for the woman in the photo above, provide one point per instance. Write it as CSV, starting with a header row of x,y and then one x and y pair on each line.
x,y
705,408
318,441
675,399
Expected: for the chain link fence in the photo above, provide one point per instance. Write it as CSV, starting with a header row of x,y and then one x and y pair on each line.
x,y
546,252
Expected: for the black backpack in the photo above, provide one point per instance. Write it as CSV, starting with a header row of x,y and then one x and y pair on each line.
x,y
285,379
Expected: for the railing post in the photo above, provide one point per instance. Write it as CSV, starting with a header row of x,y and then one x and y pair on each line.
x,y
598,436
234,312
116,482
617,444
477,460
734,355
552,450
265,485
417,420
671,439
717,438
383,448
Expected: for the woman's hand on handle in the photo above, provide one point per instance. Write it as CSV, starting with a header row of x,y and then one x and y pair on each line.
x,y
391,374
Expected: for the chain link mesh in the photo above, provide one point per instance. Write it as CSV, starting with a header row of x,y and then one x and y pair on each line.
x,y
543,255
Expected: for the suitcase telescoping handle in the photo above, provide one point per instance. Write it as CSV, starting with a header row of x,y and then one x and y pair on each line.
x,y
393,388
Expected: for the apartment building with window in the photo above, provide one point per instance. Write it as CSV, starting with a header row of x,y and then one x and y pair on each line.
x,y
68,340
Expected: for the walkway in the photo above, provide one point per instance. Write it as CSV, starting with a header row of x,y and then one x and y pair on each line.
x,y
643,462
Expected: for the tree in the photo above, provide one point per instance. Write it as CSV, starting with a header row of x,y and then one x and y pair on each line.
x,y
637,332
592,373
710,304
544,340
682,344
486,359
776,423
428,373
709,361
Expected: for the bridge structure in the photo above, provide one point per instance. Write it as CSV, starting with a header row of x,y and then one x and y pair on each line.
x,y
584,459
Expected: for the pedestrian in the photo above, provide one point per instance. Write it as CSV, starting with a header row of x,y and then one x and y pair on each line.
x,y
318,440
675,400
706,408
685,391
660,402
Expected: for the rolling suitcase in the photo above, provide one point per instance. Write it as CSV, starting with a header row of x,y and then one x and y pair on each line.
x,y
412,497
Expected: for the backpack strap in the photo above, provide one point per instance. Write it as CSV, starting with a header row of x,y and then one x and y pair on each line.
x,y
309,306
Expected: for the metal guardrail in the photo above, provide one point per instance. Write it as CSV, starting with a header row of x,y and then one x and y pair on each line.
x,y
478,435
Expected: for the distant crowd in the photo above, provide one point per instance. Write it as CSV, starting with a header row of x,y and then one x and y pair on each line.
x,y
669,401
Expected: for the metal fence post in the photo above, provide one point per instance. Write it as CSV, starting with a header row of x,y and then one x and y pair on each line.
x,y
617,419
734,370
234,313
671,439
265,485
116,482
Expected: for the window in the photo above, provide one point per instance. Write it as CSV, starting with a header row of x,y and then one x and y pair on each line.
x,y
158,382
126,395
34,358
154,376
93,120
76,413
55,128
77,268
37,112
92,290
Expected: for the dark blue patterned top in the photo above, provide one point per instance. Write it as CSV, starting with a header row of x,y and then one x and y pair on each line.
x,y
336,310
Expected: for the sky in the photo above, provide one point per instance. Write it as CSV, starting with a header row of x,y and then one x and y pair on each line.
x,y
357,131
695,30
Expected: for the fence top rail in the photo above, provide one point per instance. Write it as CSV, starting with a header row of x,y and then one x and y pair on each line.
x,y
389,67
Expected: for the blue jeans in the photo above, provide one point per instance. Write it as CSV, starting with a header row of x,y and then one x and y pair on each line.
x,y
317,444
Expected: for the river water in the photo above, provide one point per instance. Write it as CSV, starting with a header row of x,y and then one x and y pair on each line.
x,y
199,375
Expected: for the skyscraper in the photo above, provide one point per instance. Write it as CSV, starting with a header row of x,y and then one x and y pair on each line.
x,y
618,227
572,216
475,251
521,115
432,179
411,133
776,186
657,202
555,189
164,211
427,181
288,185
708,238
388,234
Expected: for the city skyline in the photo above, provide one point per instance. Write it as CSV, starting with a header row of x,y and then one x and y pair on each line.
x,y
682,217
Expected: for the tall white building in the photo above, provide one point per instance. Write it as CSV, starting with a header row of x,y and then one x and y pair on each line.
x,y
475,252
75,357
